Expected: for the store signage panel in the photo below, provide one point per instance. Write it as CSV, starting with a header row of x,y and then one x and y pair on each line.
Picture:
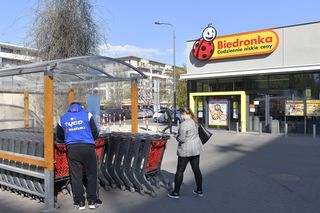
x,y
218,112
294,108
313,107
210,47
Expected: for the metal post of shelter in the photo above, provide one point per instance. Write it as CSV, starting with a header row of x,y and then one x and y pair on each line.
x,y
70,95
134,106
48,141
26,109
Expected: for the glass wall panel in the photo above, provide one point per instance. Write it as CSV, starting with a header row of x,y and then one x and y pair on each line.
x,y
279,82
257,82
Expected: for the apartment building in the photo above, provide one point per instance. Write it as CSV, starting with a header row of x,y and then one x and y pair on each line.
x,y
13,55
157,90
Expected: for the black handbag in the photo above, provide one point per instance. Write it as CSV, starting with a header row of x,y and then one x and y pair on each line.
x,y
204,134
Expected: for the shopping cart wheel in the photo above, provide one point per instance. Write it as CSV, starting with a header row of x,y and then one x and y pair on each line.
x,y
65,191
122,187
142,192
153,194
113,186
158,184
69,189
131,189
106,188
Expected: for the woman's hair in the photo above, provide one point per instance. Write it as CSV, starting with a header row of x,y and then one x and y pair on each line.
x,y
188,111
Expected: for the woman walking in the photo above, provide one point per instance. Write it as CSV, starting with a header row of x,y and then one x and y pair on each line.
x,y
189,149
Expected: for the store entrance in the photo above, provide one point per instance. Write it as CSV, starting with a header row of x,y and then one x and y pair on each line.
x,y
219,112
266,111
257,113
277,114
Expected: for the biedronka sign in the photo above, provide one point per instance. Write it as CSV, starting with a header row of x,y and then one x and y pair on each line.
x,y
210,47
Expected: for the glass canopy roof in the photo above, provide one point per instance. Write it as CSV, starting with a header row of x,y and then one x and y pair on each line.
x,y
77,70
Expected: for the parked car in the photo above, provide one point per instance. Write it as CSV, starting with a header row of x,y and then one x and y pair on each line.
x,y
148,111
161,118
141,113
116,112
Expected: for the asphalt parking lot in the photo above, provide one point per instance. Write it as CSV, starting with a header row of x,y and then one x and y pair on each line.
x,y
242,172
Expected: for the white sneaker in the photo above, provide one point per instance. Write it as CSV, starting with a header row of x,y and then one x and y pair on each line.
x,y
199,193
80,206
94,205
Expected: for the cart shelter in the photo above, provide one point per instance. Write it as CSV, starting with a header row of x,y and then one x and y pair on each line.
x,y
63,74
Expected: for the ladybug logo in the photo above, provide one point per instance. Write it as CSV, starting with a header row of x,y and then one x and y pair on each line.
x,y
203,48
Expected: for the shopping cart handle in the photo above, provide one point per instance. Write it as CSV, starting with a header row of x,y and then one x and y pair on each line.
x,y
158,144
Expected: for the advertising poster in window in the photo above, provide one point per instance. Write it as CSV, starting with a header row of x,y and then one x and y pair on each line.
x,y
294,108
200,108
313,107
218,112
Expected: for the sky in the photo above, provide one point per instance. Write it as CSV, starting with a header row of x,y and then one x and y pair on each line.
x,y
129,29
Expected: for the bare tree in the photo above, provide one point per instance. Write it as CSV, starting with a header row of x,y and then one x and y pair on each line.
x,y
65,28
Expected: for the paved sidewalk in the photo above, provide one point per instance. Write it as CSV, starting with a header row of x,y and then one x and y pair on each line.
x,y
242,173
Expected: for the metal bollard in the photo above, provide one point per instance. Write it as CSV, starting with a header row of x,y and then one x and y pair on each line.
x,y
285,129
260,128
237,127
314,131
147,122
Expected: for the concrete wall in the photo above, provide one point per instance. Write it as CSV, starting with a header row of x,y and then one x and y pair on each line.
x,y
7,112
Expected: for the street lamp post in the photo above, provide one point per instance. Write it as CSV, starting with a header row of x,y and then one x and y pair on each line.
x,y
174,66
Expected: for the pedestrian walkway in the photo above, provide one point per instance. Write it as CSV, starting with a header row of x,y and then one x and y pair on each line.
x,y
243,173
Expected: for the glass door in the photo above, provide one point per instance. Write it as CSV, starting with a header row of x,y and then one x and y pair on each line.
x,y
257,112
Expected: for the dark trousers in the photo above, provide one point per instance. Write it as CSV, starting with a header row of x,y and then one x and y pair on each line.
x,y
83,158
169,126
182,164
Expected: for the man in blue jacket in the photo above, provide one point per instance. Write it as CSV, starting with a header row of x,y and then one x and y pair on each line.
x,y
78,130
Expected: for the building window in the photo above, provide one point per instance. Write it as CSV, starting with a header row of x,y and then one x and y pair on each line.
x,y
279,82
6,50
257,82
8,62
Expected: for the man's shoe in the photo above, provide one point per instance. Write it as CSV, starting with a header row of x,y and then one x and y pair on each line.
x,y
174,195
199,193
95,204
80,205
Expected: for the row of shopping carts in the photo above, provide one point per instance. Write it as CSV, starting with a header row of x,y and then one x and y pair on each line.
x,y
24,179
133,162
126,161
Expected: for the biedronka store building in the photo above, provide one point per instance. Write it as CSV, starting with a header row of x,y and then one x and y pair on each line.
x,y
259,80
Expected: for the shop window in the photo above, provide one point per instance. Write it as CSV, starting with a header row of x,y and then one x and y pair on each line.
x,y
192,86
301,81
239,84
205,86
212,85
257,82
307,84
225,84
199,86
279,82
